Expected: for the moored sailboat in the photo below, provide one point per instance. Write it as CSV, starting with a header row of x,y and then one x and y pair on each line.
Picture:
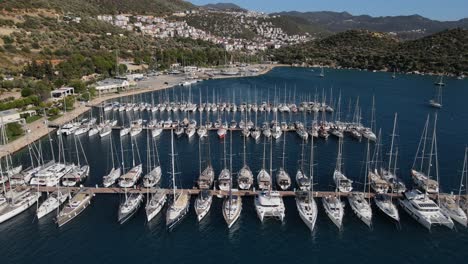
x,y
179,204
305,201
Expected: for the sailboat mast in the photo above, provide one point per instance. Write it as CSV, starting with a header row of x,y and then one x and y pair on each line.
x,y
424,137
391,145
284,146
244,151
76,149
366,172
338,158
311,166
230,169
271,164
464,170
173,166
122,154
148,151
112,151
432,148
264,149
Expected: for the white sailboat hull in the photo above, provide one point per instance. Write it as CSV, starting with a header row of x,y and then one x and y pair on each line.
x,y
11,211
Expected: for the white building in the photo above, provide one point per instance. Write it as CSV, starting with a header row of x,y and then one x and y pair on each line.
x,y
111,86
9,116
62,92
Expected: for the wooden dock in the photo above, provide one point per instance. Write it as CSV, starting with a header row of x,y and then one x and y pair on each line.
x,y
194,191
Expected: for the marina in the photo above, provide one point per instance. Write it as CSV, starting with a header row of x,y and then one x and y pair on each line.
x,y
207,168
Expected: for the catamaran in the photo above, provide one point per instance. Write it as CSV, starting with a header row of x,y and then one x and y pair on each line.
x,y
268,203
417,204
178,207
305,201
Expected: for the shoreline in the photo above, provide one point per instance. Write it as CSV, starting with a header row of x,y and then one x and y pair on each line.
x,y
40,128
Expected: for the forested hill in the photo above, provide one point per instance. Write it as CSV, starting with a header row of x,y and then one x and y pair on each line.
x,y
443,52
95,7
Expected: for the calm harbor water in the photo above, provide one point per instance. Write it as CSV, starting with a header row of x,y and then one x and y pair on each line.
x,y
96,237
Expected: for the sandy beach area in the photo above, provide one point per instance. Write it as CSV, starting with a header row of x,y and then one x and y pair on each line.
x,y
39,128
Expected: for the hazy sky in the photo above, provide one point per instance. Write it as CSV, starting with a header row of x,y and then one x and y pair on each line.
x,y
434,9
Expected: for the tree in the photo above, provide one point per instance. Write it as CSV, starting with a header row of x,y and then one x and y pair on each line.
x,y
14,130
25,92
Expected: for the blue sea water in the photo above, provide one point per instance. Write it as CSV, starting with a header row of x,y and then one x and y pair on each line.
x,y
96,237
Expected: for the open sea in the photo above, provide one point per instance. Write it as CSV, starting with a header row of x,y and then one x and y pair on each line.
x,y
96,237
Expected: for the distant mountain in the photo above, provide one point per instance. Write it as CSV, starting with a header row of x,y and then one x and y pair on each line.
x,y
225,6
406,27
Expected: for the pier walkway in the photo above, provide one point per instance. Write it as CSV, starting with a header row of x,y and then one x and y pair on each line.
x,y
194,191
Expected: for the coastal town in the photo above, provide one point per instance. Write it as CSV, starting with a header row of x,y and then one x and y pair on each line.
x,y
267,35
